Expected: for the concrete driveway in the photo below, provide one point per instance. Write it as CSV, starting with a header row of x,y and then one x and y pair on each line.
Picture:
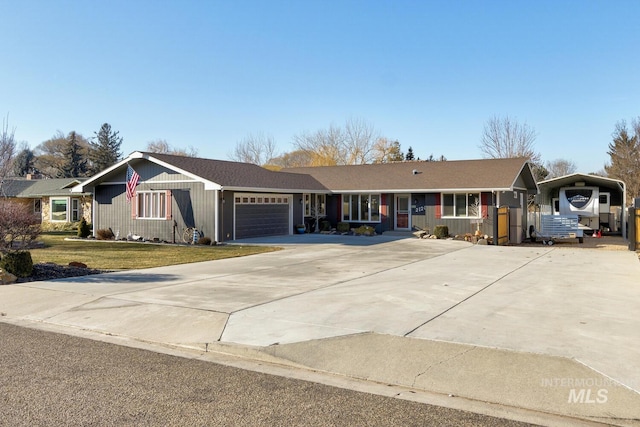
x,y
537,327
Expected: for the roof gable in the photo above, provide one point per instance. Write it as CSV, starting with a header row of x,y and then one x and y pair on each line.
x,y
218,174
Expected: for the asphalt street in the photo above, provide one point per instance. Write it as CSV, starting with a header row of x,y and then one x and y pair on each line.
x,y
50,379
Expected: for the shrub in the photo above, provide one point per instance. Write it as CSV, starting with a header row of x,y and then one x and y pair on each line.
x,y
325,226
104,234
19,227
84,229
365,230
18,263
441,231
342,227
204,241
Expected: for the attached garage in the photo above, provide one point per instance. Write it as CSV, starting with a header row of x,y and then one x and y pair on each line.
x,y
258,215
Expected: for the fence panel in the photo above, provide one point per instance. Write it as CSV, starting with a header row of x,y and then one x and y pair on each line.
x,y
502,226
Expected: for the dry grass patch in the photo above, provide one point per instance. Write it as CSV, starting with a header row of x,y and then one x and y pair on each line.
x,y
106,255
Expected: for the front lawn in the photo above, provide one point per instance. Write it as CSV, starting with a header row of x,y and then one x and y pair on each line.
x,y
107,255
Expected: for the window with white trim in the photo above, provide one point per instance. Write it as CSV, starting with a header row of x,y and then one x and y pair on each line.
x,y
152,204
59,209
315,204
75,210
361,207
461,205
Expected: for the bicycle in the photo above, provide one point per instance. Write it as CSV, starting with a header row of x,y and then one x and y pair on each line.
x,y
190,235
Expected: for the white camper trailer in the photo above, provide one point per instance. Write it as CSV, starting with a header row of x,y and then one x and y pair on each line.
x,y
599,202
592,206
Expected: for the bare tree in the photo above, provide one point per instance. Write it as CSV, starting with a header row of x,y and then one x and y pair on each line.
x,y
7,151
560,167
292,159
506,138
354,144
51,155
360,139
258,149
386,151
163,147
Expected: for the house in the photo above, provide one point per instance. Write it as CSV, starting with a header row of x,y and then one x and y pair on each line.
x,y
407,195
51,199
230,200
223,200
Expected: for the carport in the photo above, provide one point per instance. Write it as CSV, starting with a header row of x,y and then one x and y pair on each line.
x,y
606,197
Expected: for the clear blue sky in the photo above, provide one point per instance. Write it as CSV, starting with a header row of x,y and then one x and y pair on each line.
x,y
429,74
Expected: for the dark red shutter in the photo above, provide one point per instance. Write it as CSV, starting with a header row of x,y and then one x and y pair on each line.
x,y
485,202
134,206
167,209
438,206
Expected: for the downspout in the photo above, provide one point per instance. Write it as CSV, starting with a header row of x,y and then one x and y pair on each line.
x,y
216,215
93,210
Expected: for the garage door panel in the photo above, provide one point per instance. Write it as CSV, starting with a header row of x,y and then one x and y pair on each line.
x,y
262,220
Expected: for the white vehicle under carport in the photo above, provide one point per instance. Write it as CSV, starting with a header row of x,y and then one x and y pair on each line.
x,y
559,227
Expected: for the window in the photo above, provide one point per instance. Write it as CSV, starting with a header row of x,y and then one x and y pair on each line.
x,y
152,204
37,206
59,210
361,207
75,210
246,199
461,205
315,204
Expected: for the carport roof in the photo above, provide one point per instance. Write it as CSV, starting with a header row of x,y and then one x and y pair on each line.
x,y
592,180
484,174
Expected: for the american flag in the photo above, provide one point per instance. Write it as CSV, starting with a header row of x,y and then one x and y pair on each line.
x,y
132,182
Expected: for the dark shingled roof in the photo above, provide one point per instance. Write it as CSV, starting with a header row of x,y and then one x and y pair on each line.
x,y
483,174
235,175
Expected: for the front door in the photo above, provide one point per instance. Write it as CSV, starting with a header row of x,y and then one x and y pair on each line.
x,y
402,212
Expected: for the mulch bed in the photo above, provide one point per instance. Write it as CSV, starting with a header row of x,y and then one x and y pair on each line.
x,y
49,271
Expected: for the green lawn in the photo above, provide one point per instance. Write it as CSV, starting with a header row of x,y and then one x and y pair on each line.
x,y
108,255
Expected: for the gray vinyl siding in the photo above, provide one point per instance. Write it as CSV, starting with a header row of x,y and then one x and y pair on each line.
x,y
191,206
457,226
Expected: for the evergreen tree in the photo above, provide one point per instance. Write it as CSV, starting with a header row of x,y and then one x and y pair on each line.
x,y
409,156
625,158
105,152
24,162
74,164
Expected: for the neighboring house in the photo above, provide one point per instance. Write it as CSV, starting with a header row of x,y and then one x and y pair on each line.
x,y
51,199
230,200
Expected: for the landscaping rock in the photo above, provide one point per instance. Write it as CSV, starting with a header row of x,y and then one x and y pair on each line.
x,y
483,242
6,278
77,264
